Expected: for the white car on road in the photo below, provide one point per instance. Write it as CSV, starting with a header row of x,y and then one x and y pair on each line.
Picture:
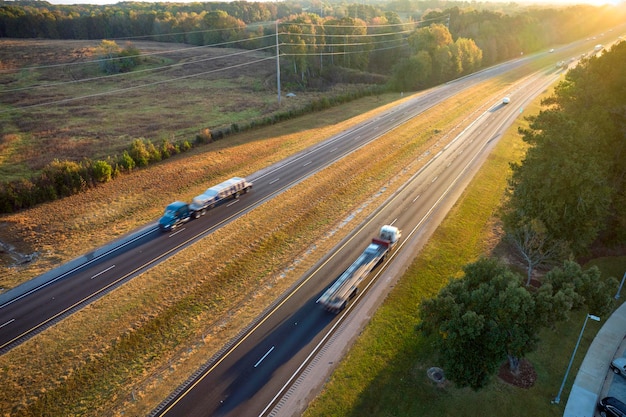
x,y
619,366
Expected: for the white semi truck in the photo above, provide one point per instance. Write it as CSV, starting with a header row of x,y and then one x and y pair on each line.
x,y
179,212
336,297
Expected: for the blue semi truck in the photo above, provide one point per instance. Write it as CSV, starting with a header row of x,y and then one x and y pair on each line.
x,y
180,212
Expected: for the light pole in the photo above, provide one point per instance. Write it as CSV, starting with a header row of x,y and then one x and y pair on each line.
x,y
557,399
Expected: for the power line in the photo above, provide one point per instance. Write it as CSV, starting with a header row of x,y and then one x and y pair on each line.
x,y
121,90
160,68
221,44
331,45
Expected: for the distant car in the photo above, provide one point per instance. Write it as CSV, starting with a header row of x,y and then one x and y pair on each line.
x,y
506,100
551,50
611,407
619,366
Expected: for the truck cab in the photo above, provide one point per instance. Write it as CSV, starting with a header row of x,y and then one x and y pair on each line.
x,y
175,214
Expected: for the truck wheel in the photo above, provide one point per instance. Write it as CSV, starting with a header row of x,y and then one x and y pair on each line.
x,y
237,194
615,370
203,211
196,214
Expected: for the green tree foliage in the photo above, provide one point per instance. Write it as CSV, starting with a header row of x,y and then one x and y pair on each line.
x,y
102,171
430,38
127,162
479,320
140,153
114,59
573,179
346,42
389,45
585,287
436,57
488,315
412,73
221,27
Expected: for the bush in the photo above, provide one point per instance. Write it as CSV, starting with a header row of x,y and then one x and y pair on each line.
x,y
205,136
168,149
153,152
139,153
127,162
67,177
102,171
185,146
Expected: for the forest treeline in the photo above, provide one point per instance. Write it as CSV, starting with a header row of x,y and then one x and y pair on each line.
x,y
567,197
373,37
570,189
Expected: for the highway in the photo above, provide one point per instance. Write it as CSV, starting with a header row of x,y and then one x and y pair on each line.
x,y
25,313
253,375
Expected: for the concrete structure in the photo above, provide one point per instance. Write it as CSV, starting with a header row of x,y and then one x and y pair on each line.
x,y
594,378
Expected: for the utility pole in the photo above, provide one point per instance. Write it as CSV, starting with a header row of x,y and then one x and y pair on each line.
x,y
277,64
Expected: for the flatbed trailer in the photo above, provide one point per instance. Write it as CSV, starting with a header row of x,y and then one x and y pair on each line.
x,y
346,286
180,212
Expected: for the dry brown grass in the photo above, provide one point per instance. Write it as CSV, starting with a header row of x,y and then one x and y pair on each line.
x,y
265,254
60,230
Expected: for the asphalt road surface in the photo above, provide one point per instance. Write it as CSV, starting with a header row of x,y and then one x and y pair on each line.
x,y
26,311
251,376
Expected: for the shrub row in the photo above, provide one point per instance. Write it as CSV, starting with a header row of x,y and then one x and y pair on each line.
x,y
60,179
64,178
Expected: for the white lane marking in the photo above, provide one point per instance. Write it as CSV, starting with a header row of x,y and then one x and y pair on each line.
x,y
264,356
177,232
333,150
102,272
232,202
273,181
434,179
415,199
8,322
308,163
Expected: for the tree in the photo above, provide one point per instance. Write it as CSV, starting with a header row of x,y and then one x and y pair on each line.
x,y
430,38
573,178
114,59
487,315
102,171
467,55
412,73
532,244
108,51
479,320
585,286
